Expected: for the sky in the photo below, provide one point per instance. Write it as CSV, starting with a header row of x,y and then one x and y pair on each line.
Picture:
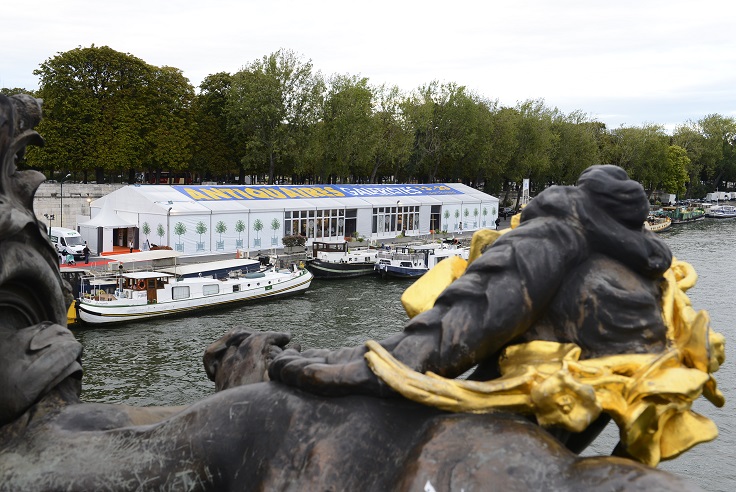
x,y
624,62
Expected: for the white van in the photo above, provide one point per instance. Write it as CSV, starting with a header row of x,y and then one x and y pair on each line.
x,y
67,241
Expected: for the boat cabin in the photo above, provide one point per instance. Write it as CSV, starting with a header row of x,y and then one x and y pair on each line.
x,y
137,285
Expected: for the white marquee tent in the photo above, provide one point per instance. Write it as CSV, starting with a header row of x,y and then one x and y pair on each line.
x,y
199,218
101,230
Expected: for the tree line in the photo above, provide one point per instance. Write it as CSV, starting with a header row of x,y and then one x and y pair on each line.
x,y
110,114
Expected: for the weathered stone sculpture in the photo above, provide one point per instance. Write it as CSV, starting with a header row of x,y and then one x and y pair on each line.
x,y
275,436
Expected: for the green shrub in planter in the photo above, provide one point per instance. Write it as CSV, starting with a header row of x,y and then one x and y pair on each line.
x,y
294,240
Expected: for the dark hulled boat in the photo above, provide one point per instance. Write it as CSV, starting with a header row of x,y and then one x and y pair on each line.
x,y
338,260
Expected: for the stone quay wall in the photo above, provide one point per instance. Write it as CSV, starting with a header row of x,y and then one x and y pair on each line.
x,y
75,202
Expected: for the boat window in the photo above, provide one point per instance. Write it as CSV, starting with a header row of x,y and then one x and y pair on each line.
x,y
210,289
180,292
236,288
406,264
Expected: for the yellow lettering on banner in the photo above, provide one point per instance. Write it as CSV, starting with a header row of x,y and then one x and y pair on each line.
x,y
194,194
313,192
333,191
231,192
290,193
273,193
242,194
300,193
257,193
214,194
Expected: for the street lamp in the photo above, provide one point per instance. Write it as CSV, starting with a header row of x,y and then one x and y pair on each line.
x,y
49,217
61,216
168,225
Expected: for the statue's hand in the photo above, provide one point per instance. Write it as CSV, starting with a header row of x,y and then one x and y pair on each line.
x,y
325,372
242,357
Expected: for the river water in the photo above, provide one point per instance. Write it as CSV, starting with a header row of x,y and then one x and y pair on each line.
x,y
160,362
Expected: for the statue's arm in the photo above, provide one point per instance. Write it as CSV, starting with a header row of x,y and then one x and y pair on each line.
x,y
494,302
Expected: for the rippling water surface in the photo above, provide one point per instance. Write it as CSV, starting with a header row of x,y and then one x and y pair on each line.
x,y
160,362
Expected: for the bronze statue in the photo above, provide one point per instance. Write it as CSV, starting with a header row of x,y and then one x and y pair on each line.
x,y
266,435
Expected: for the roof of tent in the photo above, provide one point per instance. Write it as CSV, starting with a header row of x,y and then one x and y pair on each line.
x,y
107,218
203,199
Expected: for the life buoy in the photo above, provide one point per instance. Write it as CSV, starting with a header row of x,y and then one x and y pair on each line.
x,y
141,284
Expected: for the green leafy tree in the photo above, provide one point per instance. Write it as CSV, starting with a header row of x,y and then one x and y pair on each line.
x,y
394,135
349,129
446,215
424,111
534,142
146,230
270,102
12,91
676,175
689,137
643,153
160,232
718,157
169,122
574,148
94,110
213,147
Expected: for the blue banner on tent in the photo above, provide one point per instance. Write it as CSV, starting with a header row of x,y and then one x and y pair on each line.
x,y
274,192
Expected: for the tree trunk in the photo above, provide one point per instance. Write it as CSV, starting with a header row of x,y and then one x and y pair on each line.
x,y
271,168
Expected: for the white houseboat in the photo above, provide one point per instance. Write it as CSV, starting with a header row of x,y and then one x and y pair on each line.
x,y
152,293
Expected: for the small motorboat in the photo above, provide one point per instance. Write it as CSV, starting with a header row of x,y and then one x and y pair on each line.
x,y
415,261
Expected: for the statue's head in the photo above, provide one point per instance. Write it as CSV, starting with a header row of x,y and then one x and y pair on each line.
x,y
33,334
622,198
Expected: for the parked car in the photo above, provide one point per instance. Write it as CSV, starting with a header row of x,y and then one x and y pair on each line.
x,y
506,212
